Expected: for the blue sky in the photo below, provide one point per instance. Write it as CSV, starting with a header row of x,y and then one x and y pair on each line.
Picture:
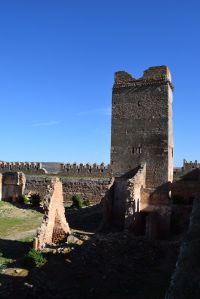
x,y
57,60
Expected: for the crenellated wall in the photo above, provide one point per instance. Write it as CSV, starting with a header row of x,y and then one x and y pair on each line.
x,y
85,170
25,167
187,166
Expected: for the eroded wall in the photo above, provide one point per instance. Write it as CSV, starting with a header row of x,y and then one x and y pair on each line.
x,y
54,227
13,185
91,189
25,167
142,125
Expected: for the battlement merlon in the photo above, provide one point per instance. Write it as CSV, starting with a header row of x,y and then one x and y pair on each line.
x,y
151,76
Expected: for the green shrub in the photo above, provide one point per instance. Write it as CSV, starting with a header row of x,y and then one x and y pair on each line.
x,y
77,201
23,199
35,200
86,202
34,259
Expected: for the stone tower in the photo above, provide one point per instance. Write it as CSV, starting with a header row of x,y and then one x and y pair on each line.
x,y
142,125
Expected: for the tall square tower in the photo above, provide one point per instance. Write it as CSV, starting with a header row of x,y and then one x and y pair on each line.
x,y
142,125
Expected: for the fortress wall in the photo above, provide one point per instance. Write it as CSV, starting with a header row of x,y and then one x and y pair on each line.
x,y
25,167
92,189
85,170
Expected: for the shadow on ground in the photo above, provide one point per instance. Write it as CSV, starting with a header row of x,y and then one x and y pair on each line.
x,y
112,266
11,249
85,219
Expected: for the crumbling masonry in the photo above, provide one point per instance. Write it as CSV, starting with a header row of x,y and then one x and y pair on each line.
x,y
141,152
54,228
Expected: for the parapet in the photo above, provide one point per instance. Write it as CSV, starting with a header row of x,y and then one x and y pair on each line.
x,y
25,167
190,165
85,170
152,76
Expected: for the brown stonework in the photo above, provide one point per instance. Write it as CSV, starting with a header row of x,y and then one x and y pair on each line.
x,y
142,125
85,170
13,185
92,189
54,227
122,201
141,135
0,186
25,167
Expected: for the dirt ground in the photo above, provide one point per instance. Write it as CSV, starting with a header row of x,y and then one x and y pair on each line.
x,y
113,266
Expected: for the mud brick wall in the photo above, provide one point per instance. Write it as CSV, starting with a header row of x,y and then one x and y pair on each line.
x,y
92,189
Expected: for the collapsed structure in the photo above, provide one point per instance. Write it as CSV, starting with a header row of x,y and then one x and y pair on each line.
x,y
12,185
54,228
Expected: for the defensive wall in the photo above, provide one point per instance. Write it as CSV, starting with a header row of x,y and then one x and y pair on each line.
x,y
92,189
25,167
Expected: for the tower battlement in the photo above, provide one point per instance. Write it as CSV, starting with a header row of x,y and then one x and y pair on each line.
x,y
156,75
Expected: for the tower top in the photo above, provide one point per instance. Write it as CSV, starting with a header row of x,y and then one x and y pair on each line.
x,y
153,75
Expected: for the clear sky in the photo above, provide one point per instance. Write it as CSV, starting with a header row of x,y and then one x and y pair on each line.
x,y
57,61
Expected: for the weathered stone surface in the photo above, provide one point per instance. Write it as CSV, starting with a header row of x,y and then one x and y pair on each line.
x,y
54,227
142,125
185,280
0,186
25,167
13,185
85,170
141,135
91,189
122,201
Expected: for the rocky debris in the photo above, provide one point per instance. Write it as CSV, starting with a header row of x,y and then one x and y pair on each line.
x,y
114,266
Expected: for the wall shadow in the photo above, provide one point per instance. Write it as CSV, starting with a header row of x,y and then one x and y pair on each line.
x,y
85,219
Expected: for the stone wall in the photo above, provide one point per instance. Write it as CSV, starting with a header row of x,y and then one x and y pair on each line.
x,y
13,185
91,189
85,170
0,186
25,167
54,228
142,125
185,280
186,186
122,201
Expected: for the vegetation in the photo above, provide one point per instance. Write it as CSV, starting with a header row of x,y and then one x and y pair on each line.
x,y
35,200
17,222
34,259
23,199
77,201
86,202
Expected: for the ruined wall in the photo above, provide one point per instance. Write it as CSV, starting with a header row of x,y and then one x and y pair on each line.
x,y
185,280
188,166
25,167
92,189
186,183
54,227
85,170
142,125
122,200
0,186
13,185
